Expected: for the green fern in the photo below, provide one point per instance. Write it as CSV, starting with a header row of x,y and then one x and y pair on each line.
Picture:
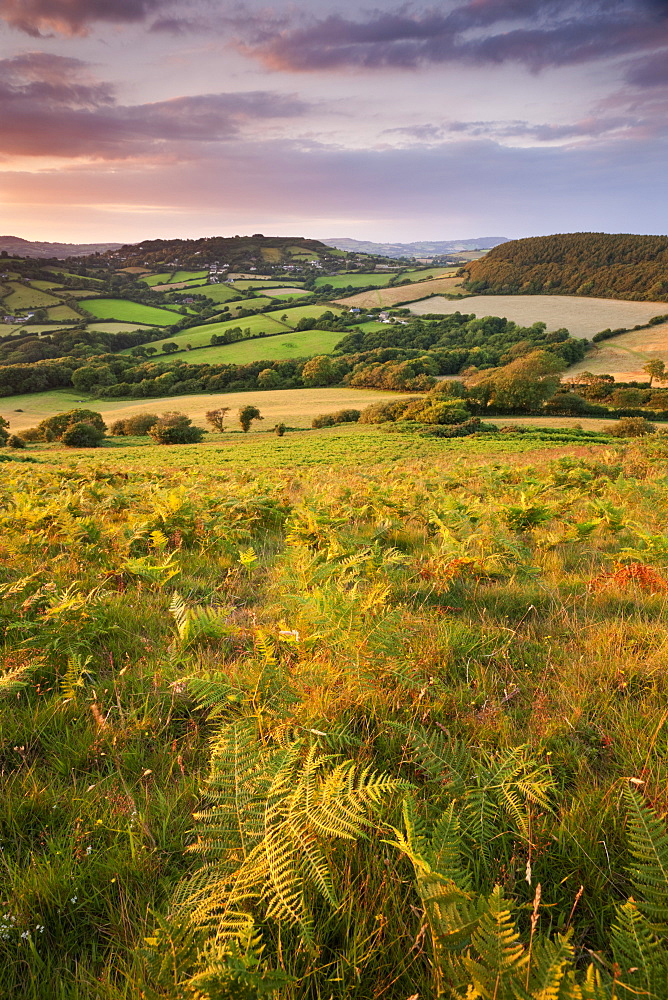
x,y
639,955
73,679
648,843
272,810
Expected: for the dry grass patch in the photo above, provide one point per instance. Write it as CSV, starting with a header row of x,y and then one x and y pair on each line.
x,y
404,293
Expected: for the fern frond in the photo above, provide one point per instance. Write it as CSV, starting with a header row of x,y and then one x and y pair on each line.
x,y
648,843
16,679
501,962
639,954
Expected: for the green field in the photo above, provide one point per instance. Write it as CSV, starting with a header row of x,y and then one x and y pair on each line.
x,y
293,293
428,272
156,279
63,313
270,322
189,275
46,286
126,311
289,345
77,277
22,297
405,696
355,279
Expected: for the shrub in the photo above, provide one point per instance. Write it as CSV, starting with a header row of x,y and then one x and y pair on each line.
x,y
175,428
14,441
632,427
380,413
137,426
32,434
340,417
279,430
60,422
82,435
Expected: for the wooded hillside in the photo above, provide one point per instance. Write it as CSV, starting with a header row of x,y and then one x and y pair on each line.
x,y
597,264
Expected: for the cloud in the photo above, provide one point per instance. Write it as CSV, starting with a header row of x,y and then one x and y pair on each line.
x,y
534,33
651,72
73,17
518,132
53,106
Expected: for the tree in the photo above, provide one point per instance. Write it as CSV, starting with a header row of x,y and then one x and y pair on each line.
x,y
60,422
522,385
268,379
656,369
247,414
322,370
217,417
176,428
170,347
82,435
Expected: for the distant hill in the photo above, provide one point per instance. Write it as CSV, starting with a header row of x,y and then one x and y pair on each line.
x,y
421,249
15,246
239,252
604,265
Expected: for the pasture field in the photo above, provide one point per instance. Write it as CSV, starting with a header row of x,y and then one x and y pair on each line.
x,y
69,274
178,285
117,327
81,293
288,293
258,283
188,276
255,303
156,279
126,311
46,286
200,335
406,697
355,279
304,344
295,313
27,297
386,297
582,317
64,313
218,293
421,274
624,356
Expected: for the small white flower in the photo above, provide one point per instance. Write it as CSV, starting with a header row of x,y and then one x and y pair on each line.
x,y
74,899
25,935
89,849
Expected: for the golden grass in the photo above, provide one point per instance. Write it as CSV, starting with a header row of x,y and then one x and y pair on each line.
x,y
625,355
294,407
404,293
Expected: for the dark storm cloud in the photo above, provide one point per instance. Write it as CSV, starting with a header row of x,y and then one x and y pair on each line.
x,y
53,106
73,17
535,33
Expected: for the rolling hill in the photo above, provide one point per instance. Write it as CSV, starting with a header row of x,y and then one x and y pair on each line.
x,y
424,248
15,246
602,265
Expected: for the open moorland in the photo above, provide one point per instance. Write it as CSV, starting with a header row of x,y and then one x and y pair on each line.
x,y
342,714
582,317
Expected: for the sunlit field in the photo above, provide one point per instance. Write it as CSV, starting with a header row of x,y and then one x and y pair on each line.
x,y
336,714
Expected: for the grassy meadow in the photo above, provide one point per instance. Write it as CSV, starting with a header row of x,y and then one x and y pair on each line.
x,y
127,311
304,344
386,297
340,714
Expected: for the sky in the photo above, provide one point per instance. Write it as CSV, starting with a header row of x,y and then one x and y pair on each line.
x,y
123,120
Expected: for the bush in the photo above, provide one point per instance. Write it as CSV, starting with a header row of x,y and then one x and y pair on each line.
x,y
137,426
82,435
340,417
175,428
53,428
32,434
632,427
279,430
14,441
380,413
247,414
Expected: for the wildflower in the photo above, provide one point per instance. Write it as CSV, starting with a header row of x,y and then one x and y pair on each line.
x,y
74,899
89,849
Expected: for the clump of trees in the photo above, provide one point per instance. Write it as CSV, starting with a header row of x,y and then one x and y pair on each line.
x,y
176,428
56,428
137,426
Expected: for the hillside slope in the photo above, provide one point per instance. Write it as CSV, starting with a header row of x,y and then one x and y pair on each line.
x,y
15,246
239,252
598,264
